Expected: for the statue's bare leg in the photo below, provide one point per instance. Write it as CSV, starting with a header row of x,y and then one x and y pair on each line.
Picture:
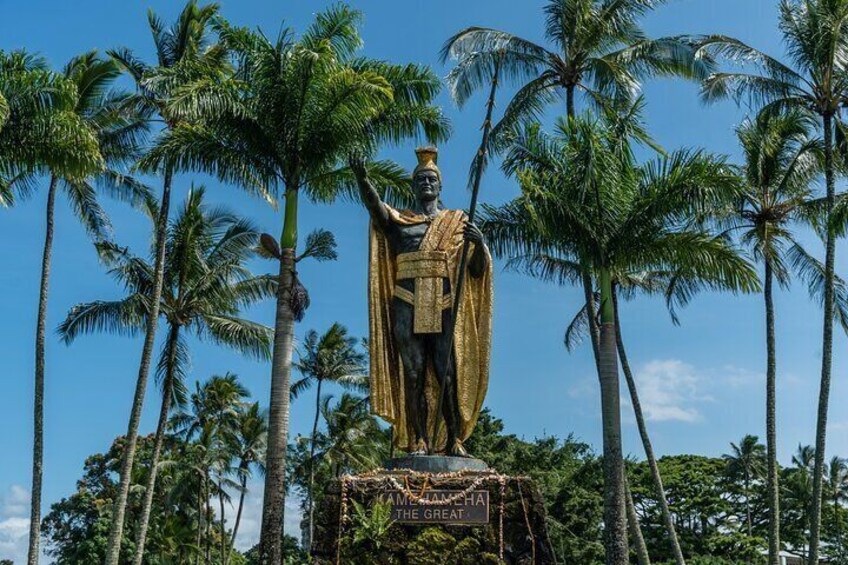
x,y
411,350
444,362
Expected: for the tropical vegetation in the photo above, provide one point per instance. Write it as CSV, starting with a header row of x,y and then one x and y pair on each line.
x,y
600,206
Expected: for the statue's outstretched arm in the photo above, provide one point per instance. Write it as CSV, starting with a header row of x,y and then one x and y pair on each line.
x,y
370,196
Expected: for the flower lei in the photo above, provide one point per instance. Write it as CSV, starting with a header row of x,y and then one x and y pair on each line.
x,y
428,479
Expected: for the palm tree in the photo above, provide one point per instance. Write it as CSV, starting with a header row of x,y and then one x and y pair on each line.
x,y
213,417
678,280
598,49
781,161
286,122
746,462
183,54
251,438
205,286
837,487
354,440
797,491
118,130
588,208
332,358
40,129
677,284
816,36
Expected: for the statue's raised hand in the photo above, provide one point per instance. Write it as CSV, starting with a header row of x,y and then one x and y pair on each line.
x,y
369,194
356,163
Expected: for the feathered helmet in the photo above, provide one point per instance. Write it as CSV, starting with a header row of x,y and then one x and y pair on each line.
x,y
427,157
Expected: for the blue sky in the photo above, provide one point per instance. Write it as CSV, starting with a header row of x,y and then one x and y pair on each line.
x,y
702,382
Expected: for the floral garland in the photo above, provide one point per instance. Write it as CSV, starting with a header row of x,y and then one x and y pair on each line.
x,y
382,475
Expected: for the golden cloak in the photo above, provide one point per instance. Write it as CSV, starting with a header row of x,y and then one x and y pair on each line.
x,y
472,335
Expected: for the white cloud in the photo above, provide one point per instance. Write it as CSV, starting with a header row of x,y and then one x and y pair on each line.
x,y
251,518
671,390
14,524
668,390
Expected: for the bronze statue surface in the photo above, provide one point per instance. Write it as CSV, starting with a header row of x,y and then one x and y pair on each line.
x,y
414,264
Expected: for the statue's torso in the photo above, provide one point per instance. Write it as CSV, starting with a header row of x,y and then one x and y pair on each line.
x,y
407,238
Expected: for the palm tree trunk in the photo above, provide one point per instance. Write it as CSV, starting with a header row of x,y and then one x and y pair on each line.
x,y
238,512
312,463
38,402
569,101
771,421
642,556
207,497
748,518
224,552
273,506
615,515
646,442
199,537
827,347
591,309
838,524
116,529
158,442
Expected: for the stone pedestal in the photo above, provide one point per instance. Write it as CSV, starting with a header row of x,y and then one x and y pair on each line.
x,y
436,464
510,528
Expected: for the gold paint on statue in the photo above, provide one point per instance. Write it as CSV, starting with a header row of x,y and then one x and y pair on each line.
x,y
438,257
427,157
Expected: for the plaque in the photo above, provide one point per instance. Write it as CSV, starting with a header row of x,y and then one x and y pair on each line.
x,y
473,508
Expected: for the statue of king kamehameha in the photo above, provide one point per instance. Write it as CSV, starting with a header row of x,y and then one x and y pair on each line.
x,y
414,264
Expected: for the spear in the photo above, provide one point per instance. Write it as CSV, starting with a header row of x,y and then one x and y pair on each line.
x,y
477,173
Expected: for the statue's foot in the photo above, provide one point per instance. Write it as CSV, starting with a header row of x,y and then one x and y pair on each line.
x,y
458,450
420,448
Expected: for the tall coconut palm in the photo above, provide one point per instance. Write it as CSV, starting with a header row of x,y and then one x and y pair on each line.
x,y
206,283
746,463
585,199
677,281
251,438
42,131
286,122
119,130
183,53
781,161
331,358
816,36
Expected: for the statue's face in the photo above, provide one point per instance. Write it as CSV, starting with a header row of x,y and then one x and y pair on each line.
x,y
426,186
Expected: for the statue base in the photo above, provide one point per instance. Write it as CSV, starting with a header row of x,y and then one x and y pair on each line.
x,y
405,516
435,464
